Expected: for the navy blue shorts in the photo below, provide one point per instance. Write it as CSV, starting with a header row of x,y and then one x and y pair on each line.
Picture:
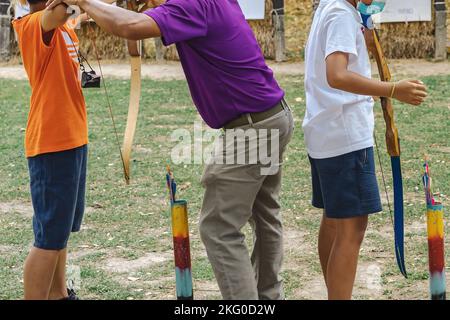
x,y
58,186
346,186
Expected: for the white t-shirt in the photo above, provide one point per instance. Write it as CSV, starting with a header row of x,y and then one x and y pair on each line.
x,y
336,122
21,10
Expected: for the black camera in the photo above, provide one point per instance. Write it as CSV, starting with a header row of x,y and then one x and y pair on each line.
x,y
89,79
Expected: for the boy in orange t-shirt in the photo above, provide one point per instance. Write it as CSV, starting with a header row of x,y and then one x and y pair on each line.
x,y
55,145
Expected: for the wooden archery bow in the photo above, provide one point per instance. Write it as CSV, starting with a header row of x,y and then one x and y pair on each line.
x,y
134,50
393,148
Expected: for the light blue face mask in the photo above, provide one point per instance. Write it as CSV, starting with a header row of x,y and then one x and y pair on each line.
x,y
367,11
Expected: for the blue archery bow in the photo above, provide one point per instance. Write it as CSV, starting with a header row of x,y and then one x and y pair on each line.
x,y
392,139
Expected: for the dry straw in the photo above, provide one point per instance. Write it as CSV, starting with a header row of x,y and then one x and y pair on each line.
x,y
400,40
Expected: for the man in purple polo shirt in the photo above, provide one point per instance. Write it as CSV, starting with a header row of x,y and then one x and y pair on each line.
x,y
232,88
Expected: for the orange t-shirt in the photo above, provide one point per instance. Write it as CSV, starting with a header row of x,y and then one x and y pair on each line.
x,y
57,120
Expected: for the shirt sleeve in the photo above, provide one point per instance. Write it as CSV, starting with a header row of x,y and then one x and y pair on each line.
x,y
180,20
32,47
30,32
340,34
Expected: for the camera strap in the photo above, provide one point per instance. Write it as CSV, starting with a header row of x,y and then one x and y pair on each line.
x,y
80,57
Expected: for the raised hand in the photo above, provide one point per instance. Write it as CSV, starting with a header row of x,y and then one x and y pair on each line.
x,y
53,3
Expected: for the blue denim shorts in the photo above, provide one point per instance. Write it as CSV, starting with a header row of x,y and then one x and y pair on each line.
x,y
346,186
58,186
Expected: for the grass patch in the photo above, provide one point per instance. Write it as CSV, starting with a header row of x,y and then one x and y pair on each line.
x,y
129,222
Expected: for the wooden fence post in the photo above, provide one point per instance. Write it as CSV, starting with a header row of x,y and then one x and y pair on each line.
x,y
315,5
280,38
159,49
440,30
5,31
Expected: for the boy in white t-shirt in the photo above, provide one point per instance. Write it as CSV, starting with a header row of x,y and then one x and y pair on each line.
x,y
338,127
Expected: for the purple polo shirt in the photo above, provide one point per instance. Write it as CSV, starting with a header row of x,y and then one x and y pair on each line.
x,y
223,63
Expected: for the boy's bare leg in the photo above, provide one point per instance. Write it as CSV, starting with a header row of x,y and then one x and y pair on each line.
x,y
58,289
343,260
38,273
327,234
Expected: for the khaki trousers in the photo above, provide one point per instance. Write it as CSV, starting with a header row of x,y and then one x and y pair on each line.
x,y
236,194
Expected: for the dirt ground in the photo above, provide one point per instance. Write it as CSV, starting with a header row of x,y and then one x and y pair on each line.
x,y
298,247
173,70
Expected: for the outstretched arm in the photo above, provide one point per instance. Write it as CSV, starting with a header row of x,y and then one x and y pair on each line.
x,y
84,16
115,20
339,77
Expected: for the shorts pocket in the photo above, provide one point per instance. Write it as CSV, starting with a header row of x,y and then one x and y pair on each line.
x,y
367,161
40,168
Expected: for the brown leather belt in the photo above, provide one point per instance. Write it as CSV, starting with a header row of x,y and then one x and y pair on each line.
x,y
256,116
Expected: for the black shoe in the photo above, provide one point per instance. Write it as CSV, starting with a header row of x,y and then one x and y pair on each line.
x,y
71,295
